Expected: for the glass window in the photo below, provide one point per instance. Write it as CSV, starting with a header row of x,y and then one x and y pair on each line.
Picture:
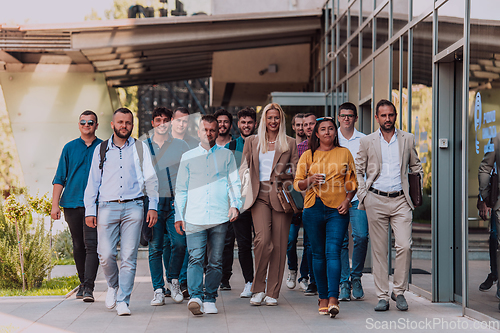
x,y
382,28
342,60
421,127
399,15
381,88
366,81
484,126
450,23
368,7
353,54
353,89
367,36
422,6
354,12
342,27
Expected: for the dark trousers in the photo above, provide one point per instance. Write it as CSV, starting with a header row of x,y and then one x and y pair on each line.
x,y
84,246
242,231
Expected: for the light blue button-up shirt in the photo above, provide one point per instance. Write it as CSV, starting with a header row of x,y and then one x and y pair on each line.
x,y
122,178
207,185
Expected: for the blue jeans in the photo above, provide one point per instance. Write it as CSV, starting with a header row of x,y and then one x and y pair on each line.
x,y
326,229
119,222
197,243
359,225
168,243
291,252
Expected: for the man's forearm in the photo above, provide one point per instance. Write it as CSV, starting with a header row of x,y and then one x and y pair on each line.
x,y
56,194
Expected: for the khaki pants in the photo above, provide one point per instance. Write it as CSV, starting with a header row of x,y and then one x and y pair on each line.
x,y
382,211
270,244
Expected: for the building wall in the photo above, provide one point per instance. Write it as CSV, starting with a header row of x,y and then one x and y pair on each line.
x,y
43,108
262,6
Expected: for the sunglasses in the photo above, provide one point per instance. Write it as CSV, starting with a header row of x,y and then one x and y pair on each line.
x,y
324,118
346,115
90,122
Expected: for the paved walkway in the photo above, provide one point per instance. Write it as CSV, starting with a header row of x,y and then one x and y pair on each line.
x,y
295,313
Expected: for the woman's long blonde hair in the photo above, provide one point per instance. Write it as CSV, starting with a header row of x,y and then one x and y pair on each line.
x,y
281,142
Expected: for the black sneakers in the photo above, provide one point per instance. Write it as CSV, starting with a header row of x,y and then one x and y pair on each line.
x,y
79,292
311,290
488,283
224,286
88,296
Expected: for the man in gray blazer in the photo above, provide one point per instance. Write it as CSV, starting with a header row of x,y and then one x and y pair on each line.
x,y
385,157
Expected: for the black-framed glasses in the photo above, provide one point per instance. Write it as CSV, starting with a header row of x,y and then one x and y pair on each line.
x,y
346,116
90,122
324,118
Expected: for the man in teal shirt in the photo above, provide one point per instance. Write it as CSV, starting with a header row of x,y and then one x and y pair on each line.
x,y
72,175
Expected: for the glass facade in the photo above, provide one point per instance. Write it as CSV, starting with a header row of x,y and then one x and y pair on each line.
x,y
447,92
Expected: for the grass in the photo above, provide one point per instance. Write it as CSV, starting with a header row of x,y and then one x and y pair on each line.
x,y
64,261
54,287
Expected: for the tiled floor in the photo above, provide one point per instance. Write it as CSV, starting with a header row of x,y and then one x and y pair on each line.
x,y
295,313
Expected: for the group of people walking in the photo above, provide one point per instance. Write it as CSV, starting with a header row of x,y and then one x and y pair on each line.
x,y
199,196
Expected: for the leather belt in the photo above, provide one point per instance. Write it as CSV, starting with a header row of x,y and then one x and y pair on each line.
x,y
127,200
387,194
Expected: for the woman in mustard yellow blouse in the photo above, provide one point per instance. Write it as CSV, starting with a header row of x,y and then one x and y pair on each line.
x,y
327,172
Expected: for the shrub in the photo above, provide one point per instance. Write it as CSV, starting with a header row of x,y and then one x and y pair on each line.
x,y
63,245
35,244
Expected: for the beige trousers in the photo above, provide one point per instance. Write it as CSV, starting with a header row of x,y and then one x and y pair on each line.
x,y
270,244
382,211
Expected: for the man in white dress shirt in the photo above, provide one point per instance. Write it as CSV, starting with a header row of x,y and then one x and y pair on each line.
x,y
349,138
120,181
385,157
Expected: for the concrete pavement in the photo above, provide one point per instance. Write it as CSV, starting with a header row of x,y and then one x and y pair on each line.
x,y
295,313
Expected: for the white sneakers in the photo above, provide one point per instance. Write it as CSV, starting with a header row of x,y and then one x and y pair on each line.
x,y
158,298
290,281
195,305
304,284
257,298
122,309
175,291
210,308
247,291
111,297
270,301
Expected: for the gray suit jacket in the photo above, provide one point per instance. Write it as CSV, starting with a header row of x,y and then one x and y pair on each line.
x,y
485,168
369,163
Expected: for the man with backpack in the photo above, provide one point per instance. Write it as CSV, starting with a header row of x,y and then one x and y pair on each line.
x,y
166,152
121,176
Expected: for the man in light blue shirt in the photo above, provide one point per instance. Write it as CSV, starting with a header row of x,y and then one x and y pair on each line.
x,y
349,138
208,194
119,182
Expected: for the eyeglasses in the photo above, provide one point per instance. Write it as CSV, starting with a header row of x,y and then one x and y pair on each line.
x,y
90,122
346,116
324,118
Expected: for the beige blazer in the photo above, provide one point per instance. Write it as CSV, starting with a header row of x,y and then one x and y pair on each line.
x,y
485,168
369,163
250,161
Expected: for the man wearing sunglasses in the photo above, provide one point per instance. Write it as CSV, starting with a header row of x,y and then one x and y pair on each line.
x,y
72,175
349,138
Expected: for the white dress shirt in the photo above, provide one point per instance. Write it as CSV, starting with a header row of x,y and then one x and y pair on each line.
x,y
389,179
121,177
353,145
208,184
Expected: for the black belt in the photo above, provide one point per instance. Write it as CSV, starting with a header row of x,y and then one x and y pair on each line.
x,y
128,200
387,194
